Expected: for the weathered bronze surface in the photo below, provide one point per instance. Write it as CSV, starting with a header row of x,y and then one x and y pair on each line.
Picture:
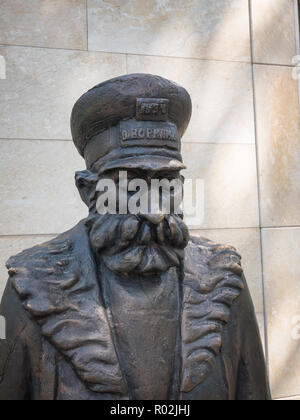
x,y
129,306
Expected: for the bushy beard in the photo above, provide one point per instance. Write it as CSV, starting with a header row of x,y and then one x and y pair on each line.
x,y
129,244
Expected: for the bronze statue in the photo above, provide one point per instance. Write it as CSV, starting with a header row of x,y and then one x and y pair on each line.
x,y
128,306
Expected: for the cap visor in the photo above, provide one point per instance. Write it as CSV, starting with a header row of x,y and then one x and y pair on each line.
x,y
146,163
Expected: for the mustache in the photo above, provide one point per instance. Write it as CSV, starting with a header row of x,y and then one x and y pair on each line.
x,y
130,243
104,229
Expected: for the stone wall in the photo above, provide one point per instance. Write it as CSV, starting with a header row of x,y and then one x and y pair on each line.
x,y
235,58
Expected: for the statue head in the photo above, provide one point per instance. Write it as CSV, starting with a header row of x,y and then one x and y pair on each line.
x,y
129,132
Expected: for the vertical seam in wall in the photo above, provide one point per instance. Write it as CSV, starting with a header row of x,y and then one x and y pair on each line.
x,y
87,25
258,187
297,30
126,63
297,37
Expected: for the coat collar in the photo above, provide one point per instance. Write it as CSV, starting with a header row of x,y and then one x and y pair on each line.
x,y
213,280
58,286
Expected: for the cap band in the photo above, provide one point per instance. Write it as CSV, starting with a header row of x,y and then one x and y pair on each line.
x,y
138,137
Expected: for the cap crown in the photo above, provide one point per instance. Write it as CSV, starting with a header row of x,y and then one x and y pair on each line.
x,y
142,97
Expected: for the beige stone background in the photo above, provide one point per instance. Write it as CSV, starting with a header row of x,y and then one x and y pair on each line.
x,y
235,58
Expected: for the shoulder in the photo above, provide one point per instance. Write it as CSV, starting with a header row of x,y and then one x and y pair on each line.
x,y
48,253
38,271
40,255
206,244
214,270
206,254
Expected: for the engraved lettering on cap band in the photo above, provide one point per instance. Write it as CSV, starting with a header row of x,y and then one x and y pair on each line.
x,y
152,109
149,134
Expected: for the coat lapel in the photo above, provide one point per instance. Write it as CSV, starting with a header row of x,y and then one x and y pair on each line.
x,y
58,286
212,281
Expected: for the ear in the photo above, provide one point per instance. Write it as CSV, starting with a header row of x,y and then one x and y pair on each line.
x,y
86,182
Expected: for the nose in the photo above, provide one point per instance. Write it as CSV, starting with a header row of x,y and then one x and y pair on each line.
x,y
155,219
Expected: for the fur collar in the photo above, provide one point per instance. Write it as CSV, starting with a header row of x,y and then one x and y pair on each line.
x,y
212,281
58,286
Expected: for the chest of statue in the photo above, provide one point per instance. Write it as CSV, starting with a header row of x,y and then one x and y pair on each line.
x,y
144,315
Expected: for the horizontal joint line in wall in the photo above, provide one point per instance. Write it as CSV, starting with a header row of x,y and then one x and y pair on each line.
x,y
289,396
29,235
224,228
42,48
126,53
281,227
275,65
30,139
